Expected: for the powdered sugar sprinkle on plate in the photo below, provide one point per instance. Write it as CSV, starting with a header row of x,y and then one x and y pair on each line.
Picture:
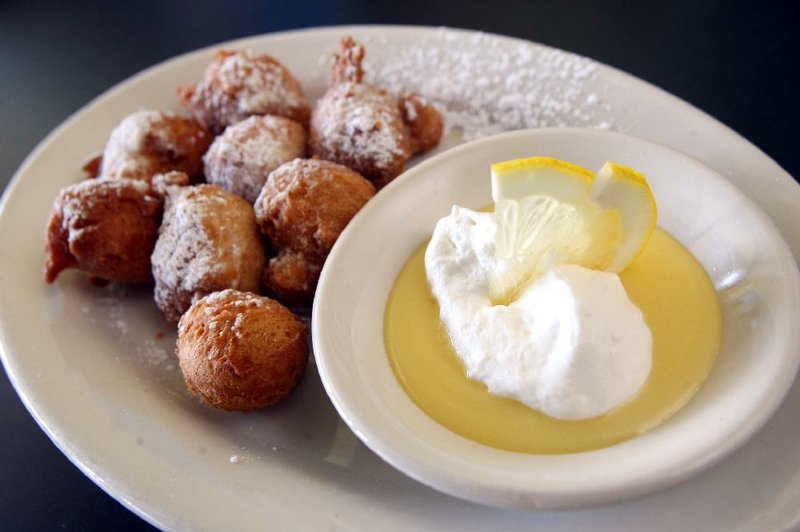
x,y
491,84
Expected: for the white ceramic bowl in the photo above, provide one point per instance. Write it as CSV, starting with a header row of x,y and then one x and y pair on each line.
x,y
749,263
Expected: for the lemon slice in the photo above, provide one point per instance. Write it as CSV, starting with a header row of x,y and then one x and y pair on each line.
x,y
626,190
538,232
544,176
552,212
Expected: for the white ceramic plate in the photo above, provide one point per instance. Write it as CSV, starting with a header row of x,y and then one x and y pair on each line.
x,y
90,368
749,264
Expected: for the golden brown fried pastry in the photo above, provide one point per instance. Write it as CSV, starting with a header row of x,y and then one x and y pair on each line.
x,y
104,227
162,183
292,277
149,142
424,122
238,84
302,208
91,166
347,63
362,126
208,241
241,352
242,157
359,125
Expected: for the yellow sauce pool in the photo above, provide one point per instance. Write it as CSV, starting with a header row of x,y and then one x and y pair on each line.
x,y
666,282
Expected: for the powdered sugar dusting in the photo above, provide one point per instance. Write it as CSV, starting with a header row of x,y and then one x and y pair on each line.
x,y
362,122
80,198
242,83
485,85
410,110
259,83
215,300
184,253
77,202
295,171
242,157
125,153
114,311
153,352
86,188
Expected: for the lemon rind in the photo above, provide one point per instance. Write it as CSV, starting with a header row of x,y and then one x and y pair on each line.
x,y
526,163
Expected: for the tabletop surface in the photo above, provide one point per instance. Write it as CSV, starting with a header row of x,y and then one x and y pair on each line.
x,y
733,60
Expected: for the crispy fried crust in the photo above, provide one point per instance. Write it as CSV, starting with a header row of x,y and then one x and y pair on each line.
x,y
292,278
91,166
149,142
241,352
209,241
242,157
241,83
364,127
347,63
304,206
360,126
423,120
106,228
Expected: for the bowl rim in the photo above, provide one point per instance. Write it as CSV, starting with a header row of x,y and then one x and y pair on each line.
x,y
477,483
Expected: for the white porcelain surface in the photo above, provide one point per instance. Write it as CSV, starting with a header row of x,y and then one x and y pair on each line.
x,y
743,253
89,367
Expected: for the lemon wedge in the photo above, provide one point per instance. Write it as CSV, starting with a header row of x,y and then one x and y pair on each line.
x,y
551,212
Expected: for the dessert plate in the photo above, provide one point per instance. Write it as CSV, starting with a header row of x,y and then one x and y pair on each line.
x,y
95,367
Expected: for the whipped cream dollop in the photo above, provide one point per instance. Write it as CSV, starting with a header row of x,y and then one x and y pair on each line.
x,y
572,346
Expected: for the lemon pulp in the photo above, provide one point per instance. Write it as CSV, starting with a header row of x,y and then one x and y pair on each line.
x,y
550,211
666,282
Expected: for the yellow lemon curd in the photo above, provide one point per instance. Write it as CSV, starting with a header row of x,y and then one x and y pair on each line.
x,y
666,282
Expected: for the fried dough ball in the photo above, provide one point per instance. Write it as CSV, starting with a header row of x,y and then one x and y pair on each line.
x,y
362,126
242,157
241,352
347,63
238,84
304,206
424,122
292,277
151,142
162,183
91,166
359,125
208,241
104,227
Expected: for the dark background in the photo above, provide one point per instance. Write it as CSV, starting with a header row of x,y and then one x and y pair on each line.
x,y
736,60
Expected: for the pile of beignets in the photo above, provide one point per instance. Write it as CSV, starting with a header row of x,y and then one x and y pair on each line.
x,y
231,209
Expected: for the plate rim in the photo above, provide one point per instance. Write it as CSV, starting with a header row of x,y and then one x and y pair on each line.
x,y
125,495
